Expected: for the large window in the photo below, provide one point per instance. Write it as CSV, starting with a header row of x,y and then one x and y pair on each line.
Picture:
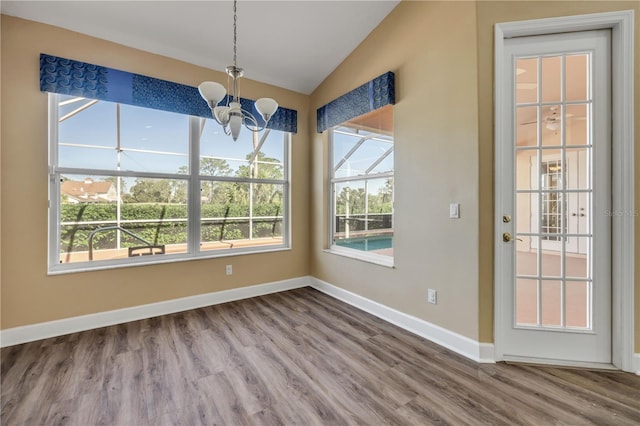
x,y
132,185
361,174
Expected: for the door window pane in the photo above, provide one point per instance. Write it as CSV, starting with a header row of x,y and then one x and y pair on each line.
x,y
527,257
527,169
550,303
526,302
577,77
551,79
578,168
577,131
526,80
578,258
551,117
551,263
524,208
527,126
577,303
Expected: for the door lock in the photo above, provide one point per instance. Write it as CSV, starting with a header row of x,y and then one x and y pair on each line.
x,y
506,237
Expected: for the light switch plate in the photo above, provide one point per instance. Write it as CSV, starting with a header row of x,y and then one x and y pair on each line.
x,y
432,296
454,211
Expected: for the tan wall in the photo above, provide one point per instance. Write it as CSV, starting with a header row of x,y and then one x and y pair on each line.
x,y
431,47
30,296
490,13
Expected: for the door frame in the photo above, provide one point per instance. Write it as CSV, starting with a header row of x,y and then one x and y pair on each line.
x,y
623,208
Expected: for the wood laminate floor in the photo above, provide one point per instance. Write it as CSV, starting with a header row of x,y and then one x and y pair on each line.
x,y
294,358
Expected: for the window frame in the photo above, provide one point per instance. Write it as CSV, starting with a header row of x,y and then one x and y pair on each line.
x,y
332,180
194,180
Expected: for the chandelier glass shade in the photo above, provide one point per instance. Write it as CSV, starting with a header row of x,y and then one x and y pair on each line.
x,y
231,116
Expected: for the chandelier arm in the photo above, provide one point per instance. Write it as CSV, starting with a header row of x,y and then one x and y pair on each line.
x,y
247,116
218,121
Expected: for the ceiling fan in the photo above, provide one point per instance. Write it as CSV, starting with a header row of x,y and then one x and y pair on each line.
x,y
553,120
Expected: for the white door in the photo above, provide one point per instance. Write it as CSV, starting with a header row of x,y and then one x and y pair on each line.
x,y
555,235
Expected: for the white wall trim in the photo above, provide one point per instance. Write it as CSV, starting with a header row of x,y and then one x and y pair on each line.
x,y
487,353
621,25
476,351
636,363
29,333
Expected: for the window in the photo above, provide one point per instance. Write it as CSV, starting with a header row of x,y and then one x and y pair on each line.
x,y
361,175
131,185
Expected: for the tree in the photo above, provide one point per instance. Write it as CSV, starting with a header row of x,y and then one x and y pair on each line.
x,y
150,191
262,167
354,198
215,192
383,201
178,191
214,167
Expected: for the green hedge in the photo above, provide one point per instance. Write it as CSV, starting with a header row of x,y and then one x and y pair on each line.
x,y
107,212
75,237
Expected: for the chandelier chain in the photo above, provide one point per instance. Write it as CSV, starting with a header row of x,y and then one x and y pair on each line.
x,y
235,31
232,116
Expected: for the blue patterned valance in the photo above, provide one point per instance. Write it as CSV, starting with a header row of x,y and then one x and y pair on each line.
x,y
69,77
370,96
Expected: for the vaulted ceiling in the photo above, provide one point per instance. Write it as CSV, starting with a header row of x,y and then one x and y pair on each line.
x,y
290,44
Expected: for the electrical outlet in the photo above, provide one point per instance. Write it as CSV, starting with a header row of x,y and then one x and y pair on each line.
x,y
229,269
432,296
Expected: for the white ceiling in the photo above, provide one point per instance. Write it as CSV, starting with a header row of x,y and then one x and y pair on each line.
x,y
290,44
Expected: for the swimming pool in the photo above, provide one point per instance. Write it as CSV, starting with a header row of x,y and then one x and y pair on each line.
x,y
366,243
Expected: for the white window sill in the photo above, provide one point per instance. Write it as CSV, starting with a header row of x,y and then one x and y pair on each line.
x,y
361,255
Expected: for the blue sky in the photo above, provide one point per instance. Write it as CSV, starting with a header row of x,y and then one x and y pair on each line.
x,y
153,130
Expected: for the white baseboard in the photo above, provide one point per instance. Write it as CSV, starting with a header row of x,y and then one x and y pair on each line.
x,y
487,353
479,352
635,363
29,333
476,351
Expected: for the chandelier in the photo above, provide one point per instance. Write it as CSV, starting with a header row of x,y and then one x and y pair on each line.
x,y
231,116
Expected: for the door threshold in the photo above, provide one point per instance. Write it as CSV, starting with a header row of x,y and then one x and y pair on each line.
x,y
522,360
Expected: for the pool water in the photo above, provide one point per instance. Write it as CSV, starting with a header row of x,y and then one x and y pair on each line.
x,y
366,243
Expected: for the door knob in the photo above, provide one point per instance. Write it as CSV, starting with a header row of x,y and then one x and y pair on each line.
x,y
506,237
